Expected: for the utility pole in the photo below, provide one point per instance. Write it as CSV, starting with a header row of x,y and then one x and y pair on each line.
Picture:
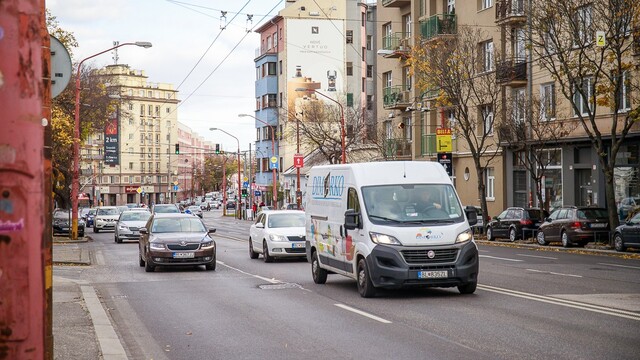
x,y
23,310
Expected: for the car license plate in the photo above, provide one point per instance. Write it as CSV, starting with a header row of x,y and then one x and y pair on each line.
x,y
183,255
432,274
297,245
598,225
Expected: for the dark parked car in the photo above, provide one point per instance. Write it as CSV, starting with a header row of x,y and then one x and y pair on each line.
x,y
515,223
61,221
627,234
626,206
87,216
176,239
574,225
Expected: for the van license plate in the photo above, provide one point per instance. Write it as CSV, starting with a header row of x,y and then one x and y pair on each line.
x,y
432,274
183,255
297,245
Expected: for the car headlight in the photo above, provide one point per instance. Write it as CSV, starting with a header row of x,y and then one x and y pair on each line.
x,y
123,227
274,237
206,244
465,236
156,246
384,239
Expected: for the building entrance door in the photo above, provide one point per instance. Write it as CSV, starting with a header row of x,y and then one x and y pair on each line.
x,y
584,188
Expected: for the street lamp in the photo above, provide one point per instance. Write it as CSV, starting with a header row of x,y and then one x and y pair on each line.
x,y
342,132
273,154
239,179
76,139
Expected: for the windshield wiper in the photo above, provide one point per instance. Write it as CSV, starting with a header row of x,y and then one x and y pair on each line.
x,y
430,221
385,218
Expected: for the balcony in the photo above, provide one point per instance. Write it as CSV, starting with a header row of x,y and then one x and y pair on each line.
x,y
395,3
397,148
396,45
511,72
428,145
396,97
510,12
438,25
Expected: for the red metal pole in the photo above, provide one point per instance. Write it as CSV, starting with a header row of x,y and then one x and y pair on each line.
x,y
298,168
224,186
22,284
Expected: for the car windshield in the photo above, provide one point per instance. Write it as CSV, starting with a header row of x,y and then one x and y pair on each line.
x,y
135,216
587,214
193,208
92,212
170,225
166,209
285,220
61,215
412,203
110,211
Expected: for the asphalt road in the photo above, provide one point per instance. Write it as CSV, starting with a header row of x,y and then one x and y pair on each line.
x,y
529,304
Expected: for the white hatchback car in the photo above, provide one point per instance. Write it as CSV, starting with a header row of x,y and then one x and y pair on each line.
x,y
277,233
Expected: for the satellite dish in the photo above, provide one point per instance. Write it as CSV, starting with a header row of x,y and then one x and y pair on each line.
x,y
60,67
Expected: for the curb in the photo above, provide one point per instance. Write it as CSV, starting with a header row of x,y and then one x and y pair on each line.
x,y
581,251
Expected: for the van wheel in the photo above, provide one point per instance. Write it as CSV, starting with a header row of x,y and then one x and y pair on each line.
x,y
618,243
468,288
490,234
565,240
252,253
541,239
265,253
365,286
319,274
512,234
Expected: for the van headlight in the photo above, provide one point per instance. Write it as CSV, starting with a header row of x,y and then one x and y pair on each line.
x,y
465,236
384,239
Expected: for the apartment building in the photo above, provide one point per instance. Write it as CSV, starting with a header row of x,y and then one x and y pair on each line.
x,y
313,50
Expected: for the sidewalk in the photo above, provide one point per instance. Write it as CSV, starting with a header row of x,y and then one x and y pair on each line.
x,y
81,327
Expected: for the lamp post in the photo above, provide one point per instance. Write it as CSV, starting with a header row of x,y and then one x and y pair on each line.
x,y
273,154
342,132
76,139
239,179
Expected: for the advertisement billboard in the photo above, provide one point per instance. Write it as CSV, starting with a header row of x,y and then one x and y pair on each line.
x,y
111,148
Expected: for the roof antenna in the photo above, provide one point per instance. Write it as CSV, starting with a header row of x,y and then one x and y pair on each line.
x,y
115,53
223,20
249,23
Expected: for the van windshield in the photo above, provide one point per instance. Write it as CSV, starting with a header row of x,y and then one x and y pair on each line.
x,y
417,203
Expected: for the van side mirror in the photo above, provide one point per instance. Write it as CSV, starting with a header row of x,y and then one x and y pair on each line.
x,y
352,220
472,215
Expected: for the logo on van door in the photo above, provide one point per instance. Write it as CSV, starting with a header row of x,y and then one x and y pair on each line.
x,y
327,187
428,234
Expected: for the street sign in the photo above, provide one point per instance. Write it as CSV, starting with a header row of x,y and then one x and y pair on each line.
x,y
298,160
274,160
175,188
60,67
139,190
245,179
245,184
175,182
273,164
443,140
601,39
257,193
445,160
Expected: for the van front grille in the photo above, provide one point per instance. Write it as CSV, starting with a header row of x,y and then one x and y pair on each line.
x,y
422,256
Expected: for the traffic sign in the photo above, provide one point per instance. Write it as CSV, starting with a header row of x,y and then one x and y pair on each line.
x,y
245,184
443,140
274,160
139,190
245,179
273,164
298,160
175,188
257,193
445,160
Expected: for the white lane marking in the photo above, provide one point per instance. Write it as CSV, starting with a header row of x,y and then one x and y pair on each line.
x,y
553,273
100,258
273,281
622,266
499,258
538,257
561,302
365,314
110,344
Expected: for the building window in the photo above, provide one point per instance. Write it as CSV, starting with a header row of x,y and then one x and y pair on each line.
x,y
485,4
487,55
547,101
583,26
280,66
141,109
130,107
369,71
157,112
130,166
487,119
275,40
369,102
257,134
518,41
406,20
349,36
386,79
387,30
142,138
142,167
369,42
408,129
519,102
269,43
130,121
388,130
349,99
490,183
131,136
406,75
349,68
582,97
272,68
623,95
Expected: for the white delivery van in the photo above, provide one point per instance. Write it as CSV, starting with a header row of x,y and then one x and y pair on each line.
x,y
389,225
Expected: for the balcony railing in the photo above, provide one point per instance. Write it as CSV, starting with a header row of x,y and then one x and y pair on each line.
x,y
394,96
397,148
440,24
395,3
511,70
510,10
396,42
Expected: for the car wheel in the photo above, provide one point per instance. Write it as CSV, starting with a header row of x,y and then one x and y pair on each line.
x,y
252,253
565,239
541,239
148,267
618,243
319,274
95,229
512,234
468,288
265,253
365,285
211,265
140,261
490,234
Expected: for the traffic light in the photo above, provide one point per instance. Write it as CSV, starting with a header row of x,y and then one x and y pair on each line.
x,y
244,193
177,149
217,148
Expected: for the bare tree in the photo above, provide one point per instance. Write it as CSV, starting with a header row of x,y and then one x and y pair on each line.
x,y
459,72
587,48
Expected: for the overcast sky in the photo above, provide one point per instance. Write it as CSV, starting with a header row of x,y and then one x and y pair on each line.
x,y
181,32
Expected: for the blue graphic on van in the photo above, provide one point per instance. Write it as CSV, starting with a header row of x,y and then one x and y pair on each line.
x,y
428,234
327,187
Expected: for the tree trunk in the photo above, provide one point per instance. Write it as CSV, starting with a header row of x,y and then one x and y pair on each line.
x,y
482,194
610,198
